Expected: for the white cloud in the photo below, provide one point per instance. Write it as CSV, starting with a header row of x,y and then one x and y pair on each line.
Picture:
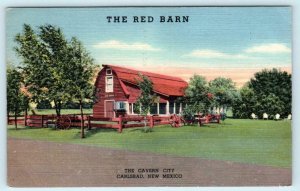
x,y
207,53
114,44
269,48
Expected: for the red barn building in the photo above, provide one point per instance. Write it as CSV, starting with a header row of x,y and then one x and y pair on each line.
x,y
117,90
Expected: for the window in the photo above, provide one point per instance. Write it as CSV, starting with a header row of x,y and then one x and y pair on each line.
x,y
108,72
162,108
120,105
109,84
177,108
171,107
153,109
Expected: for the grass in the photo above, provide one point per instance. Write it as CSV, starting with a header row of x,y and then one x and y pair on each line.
x,y
248,141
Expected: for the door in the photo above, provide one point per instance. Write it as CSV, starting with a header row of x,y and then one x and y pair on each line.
x,y
109,109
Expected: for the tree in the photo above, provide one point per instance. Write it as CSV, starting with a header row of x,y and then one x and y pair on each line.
x,y
198,97
273,83
270,91
146,98
224,92
55,69
270,104
44,104
245,103
16,100
78,79
43,58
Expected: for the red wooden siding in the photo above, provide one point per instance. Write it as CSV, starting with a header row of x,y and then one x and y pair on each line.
x,y
125,87
116,95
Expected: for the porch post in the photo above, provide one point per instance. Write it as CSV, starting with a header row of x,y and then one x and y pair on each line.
x,y
132,105
167,109
157,108
132,110
127,108
180,109
174,108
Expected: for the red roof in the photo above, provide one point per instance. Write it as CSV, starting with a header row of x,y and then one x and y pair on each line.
x,y
162,84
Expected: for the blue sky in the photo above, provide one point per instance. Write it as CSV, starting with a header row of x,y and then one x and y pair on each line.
x,y
226,41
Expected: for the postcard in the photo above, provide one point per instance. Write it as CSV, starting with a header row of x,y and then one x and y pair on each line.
x,y
149,96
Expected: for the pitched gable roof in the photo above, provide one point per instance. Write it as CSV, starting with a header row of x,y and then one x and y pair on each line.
x,y
162,84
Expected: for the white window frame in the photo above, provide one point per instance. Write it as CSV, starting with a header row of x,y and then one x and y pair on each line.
x,y
106,84
118,102
108,71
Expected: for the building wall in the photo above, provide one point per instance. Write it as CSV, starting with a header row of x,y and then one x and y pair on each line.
x,y
119,95
116,95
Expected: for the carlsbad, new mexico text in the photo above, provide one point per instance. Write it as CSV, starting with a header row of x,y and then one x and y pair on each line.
x,y
141,173
147,19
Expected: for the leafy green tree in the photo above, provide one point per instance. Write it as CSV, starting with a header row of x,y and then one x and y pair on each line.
x,y
198,97
43,58
270,104
224,92
16,100
78,80
276,85
56,69
245,103
147,98
270,91
44,104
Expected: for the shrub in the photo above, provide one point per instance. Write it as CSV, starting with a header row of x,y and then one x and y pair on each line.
x,y
44,104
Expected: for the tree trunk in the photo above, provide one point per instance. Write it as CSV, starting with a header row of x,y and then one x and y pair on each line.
x,y
82,122
145,121
59,108
57,105
16,125
25,117
199,119
16,111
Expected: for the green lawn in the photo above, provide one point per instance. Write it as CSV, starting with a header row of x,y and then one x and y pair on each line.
x,y
248,141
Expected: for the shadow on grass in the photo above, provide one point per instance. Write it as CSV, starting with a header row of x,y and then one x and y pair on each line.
x,y
142,130
92,132
224,124
19,129
23,128
215,125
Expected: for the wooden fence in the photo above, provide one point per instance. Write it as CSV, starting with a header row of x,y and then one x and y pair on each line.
x,y
126,122
39,120
20,120
118,123
44,120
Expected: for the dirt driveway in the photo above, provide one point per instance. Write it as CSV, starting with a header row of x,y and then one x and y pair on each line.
x,y
38,163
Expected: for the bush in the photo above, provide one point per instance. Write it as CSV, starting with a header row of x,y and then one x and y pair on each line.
x,y
75,105
88,105
270,104
70,105
270,91
44,104
188,114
